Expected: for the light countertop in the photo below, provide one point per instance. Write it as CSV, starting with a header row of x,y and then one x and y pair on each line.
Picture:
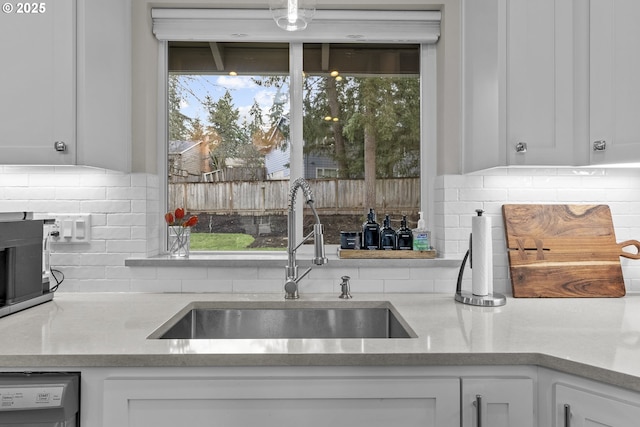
x,y
594,338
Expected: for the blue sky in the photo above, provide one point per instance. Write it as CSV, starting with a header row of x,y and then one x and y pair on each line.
x,y
242,89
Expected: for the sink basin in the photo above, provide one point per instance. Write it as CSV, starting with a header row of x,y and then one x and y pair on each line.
x,y
261,320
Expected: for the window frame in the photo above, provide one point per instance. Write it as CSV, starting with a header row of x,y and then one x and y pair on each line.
x,y
246,19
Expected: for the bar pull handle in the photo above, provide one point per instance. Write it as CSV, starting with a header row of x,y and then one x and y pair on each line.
x,y
478,404
567,415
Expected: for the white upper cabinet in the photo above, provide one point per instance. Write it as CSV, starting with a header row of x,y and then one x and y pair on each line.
x,y
37,85
615,81
518,85
65,78
551,83
539,89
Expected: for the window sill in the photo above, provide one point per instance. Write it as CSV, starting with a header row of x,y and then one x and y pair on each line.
x,y
279,259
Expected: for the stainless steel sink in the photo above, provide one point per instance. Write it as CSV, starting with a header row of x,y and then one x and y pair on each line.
x,y
260,320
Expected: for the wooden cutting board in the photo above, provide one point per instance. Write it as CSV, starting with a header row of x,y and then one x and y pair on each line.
x,y
564,251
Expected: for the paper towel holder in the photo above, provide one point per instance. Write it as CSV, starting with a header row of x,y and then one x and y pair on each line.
x,y
489,300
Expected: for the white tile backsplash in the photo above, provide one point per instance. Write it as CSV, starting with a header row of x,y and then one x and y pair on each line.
x,y
126,217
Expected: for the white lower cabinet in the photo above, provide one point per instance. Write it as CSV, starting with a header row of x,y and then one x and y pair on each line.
x,y
427,396
498,402
274,397
566,400
576,407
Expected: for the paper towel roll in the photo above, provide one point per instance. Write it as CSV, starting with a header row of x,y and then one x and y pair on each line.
x,y
481,256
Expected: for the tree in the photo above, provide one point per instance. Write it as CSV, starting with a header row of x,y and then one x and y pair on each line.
x,y
377,132
223,117
178,122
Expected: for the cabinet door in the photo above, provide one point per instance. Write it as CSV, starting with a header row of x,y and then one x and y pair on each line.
x,y
540,82
37,82
282,401
497,402
615,80
580,408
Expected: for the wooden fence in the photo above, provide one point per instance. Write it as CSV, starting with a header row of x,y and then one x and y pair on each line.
x,y
332,196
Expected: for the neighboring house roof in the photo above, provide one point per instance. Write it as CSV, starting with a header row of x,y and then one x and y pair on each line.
x,y
181,147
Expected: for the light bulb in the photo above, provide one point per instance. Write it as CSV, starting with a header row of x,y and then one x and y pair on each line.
x,y
292,11
292,15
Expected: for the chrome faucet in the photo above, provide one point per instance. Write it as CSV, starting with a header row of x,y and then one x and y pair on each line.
x,y
292,278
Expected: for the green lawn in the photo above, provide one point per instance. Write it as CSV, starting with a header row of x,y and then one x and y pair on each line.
x,y
220,241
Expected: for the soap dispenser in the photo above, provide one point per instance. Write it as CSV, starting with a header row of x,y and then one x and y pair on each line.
x,y
371,232
421,236
404,236
387,235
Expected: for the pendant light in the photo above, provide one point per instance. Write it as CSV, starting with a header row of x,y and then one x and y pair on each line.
x,y
292,15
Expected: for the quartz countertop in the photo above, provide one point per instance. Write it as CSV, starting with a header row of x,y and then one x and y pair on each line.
x,y
593,338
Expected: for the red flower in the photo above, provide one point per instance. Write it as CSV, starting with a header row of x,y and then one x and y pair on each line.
x,y
177,219
179,214
191,221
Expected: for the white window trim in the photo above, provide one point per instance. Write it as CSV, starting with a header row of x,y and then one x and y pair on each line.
x,y
213,24
327,26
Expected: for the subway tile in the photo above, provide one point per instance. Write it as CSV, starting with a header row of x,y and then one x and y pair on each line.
x,y
107,180
116,219
99,264
106,259
54,180
103,285
14,180
80,193
106,206
367,286
82,272
409,286
556,182
217,286
230,273
258,286
126,193
138,232
29,169
127,246
463,181
482,195
527,194
274,273
111,233
29,193
314,286
156,285
581,195
67,206
508,182
182,273
365,273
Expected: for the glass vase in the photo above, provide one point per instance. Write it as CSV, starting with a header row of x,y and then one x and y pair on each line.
x,y
179,241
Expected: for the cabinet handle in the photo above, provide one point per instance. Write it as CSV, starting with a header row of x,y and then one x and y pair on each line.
x,y
521,147
478,404
60,146
567,415
600,145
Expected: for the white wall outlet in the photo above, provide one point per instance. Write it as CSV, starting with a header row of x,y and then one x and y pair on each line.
x,y
69,228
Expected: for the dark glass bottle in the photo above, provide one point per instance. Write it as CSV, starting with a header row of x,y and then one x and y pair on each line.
x,y
404,236
387,235
371,232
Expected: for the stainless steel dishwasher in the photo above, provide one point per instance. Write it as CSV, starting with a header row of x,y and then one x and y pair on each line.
x,y
39,399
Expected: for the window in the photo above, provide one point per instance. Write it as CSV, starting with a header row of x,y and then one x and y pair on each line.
x,y
234,131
